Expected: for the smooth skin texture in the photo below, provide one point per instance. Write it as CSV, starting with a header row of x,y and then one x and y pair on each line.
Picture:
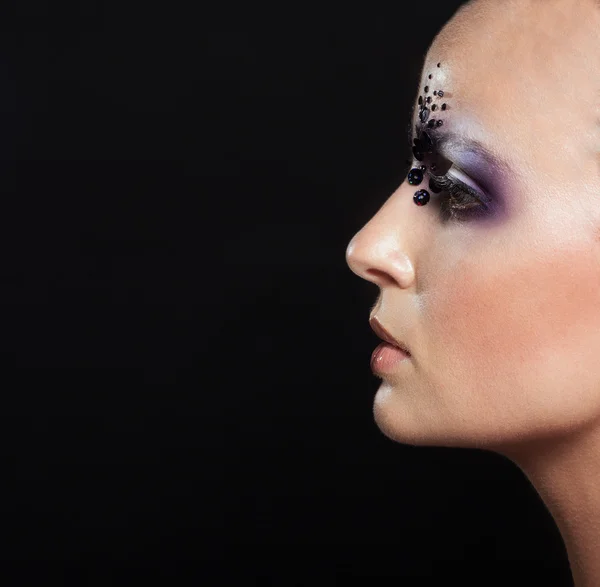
x,y
502,313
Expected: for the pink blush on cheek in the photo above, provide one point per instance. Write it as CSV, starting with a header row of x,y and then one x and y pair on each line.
x,y
496,316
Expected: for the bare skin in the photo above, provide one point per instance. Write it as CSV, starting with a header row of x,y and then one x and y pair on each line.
x,y
501,312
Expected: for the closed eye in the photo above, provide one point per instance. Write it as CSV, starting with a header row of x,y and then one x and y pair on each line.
x,y
462,200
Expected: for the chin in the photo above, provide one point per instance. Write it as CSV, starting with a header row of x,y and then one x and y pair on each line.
x,y
400,422
396,423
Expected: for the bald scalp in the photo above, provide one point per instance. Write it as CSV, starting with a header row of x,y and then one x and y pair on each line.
x,y
536,13
546,47
540,3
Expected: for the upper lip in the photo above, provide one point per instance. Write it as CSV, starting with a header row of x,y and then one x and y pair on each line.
x,y
383,334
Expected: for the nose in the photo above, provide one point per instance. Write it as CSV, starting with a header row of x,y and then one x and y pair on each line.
x,y
383,251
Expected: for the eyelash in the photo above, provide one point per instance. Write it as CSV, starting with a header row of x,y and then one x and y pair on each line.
x,y
462,201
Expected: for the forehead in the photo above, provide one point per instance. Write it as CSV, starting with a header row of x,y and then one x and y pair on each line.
x,y
525,72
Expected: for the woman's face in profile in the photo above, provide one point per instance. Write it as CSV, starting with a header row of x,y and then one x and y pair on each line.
x,y
498,302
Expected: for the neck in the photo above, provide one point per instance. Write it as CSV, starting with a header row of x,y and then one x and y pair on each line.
x,y
566,475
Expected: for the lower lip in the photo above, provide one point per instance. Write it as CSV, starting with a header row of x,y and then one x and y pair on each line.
x,y
386,357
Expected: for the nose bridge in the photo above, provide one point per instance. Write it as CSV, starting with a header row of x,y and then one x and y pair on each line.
x,y
384,249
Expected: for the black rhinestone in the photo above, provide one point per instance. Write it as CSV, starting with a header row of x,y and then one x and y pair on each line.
x,y
440,122
444,106
417,154
435,92
426,89
430,76
433,186
421,197
429,98
420,100
423,167
424,114
433,167
431,123
426,142
415,176
434,108
439,64
441,93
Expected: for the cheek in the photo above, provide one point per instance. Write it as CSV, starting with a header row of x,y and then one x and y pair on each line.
x,y
530,322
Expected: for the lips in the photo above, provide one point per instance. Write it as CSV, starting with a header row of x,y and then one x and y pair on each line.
x,y
384,335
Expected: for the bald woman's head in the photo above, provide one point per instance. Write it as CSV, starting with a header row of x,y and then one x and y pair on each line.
x,y
498,301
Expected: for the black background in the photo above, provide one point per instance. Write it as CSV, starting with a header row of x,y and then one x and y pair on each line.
x,y
188,396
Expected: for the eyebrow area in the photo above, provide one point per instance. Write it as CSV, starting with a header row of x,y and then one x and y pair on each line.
x,y
448,143
451,145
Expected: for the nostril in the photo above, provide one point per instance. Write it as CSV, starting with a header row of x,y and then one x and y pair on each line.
x,y
379,277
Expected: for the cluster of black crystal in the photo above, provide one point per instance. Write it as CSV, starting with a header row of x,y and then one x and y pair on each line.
x,y
423,145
